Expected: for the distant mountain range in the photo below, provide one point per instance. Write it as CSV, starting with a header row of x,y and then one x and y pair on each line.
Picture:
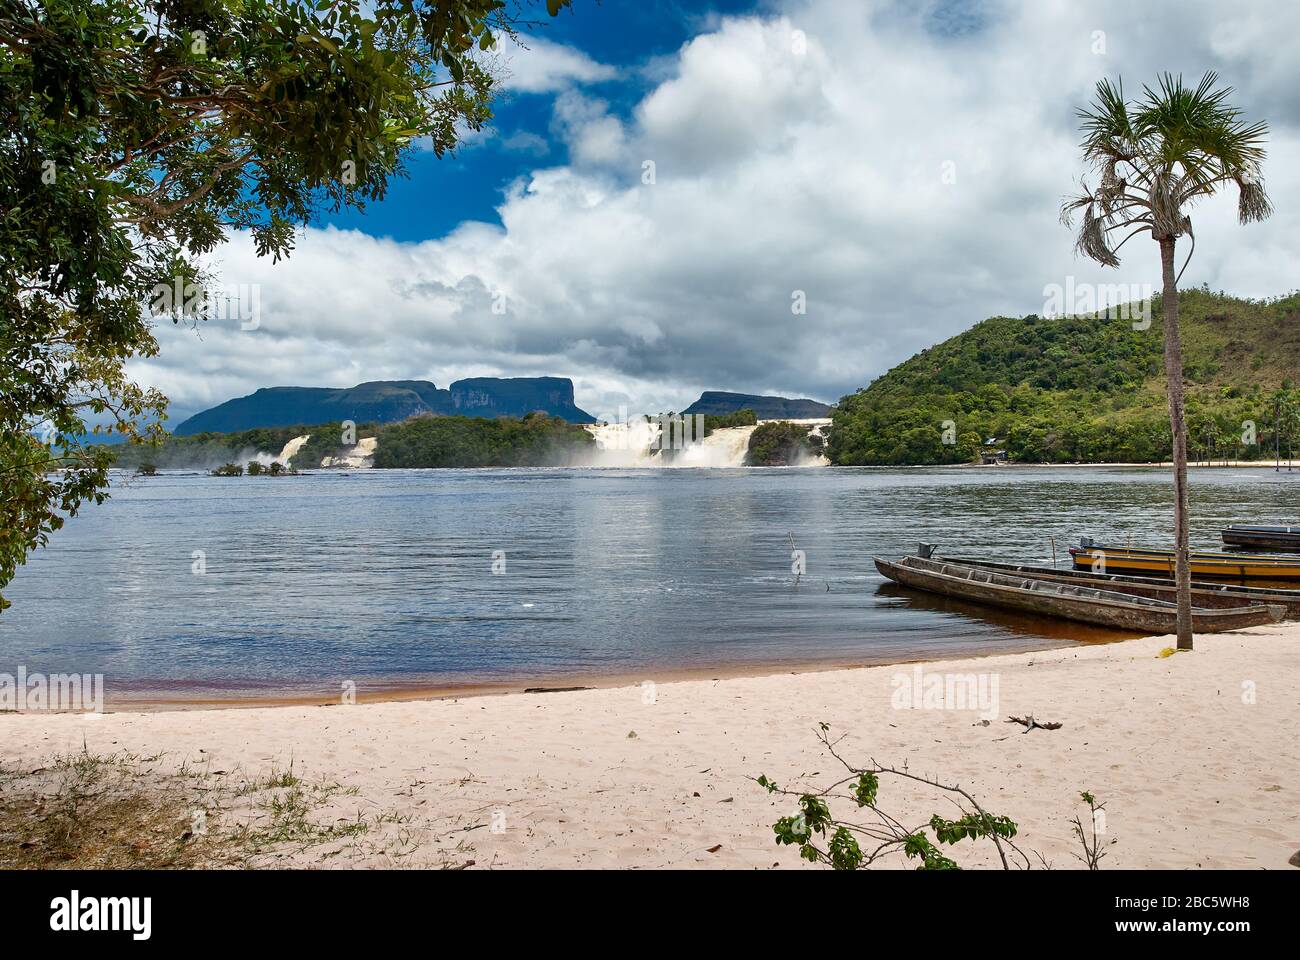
x,y
718,402
388,401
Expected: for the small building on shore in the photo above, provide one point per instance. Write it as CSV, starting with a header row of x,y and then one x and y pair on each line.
x,y
992,453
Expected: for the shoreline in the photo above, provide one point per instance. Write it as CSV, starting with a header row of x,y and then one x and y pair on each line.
x,y
161,701
1192,754
1293,467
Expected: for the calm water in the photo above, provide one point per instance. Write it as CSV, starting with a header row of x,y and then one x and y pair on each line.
x,y
385,577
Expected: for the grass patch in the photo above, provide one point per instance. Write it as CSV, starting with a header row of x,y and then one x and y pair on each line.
x,y
103,812
123,811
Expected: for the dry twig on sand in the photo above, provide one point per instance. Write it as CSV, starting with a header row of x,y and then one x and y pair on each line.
x,y
1029,723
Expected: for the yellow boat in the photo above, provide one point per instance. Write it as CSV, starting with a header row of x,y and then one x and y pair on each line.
x,y
1208,566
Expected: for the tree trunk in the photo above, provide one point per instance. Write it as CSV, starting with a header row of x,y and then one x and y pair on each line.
x,y
1178,426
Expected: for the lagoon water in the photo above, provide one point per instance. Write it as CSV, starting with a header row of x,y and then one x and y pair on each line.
x,y
186,586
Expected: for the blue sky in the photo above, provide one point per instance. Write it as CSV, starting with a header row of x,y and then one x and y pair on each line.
x,y
627,34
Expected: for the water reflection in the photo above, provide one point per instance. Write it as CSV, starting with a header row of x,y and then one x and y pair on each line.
x,y
387,576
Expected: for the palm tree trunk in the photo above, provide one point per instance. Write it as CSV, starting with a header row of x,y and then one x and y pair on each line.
x,y
1178,425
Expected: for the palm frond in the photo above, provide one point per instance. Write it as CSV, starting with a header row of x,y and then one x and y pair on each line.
x,y
1072,204
1107,127
1165,207
1252,201
1157,155
1092,239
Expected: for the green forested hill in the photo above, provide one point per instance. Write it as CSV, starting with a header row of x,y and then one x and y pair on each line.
x,y
1083,389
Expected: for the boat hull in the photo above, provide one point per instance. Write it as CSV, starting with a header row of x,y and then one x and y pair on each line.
x,y
1263,538
1210,595
1067,601
1210,566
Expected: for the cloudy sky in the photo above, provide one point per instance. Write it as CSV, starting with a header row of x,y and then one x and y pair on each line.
x,y
664,181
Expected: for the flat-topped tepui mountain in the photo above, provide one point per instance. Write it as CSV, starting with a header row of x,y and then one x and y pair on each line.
x,y
719,402
388,401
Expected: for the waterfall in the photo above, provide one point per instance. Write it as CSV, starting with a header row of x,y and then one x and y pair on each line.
x,y
636,444
625,444
360,457
724,447
817,428
292,447
266,459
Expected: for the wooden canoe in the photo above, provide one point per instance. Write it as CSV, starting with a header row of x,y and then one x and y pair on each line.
x,y
1212,566
1204,593
1259,537
1070,601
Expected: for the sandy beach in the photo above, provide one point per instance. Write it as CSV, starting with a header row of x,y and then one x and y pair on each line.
x,y
1194,755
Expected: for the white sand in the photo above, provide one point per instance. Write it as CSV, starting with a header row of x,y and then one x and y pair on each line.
x,y
1193,774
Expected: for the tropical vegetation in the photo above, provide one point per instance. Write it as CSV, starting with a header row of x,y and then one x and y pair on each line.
x,y
723,421
1086,389
432,441
779,443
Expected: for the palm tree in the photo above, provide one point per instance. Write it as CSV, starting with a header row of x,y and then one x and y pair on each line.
x,y
1154,159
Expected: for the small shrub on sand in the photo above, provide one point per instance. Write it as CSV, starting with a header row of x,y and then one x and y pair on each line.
x,y
871,833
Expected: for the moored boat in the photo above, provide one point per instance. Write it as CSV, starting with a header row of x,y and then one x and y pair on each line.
x,y
1204,593
1085,604
1262,537
1213,566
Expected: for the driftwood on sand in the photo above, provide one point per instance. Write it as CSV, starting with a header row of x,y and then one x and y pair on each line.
x,y
1029,723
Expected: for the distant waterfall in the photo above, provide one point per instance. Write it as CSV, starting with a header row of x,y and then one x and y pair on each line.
x,y
630,444
638,442
724,447
360,457
290,448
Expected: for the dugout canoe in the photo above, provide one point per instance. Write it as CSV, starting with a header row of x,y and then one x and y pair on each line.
x,y
1262,537
1211,566
1084,604
1204,593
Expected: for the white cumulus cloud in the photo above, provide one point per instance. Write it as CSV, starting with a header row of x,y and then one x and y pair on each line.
x,y
538,65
